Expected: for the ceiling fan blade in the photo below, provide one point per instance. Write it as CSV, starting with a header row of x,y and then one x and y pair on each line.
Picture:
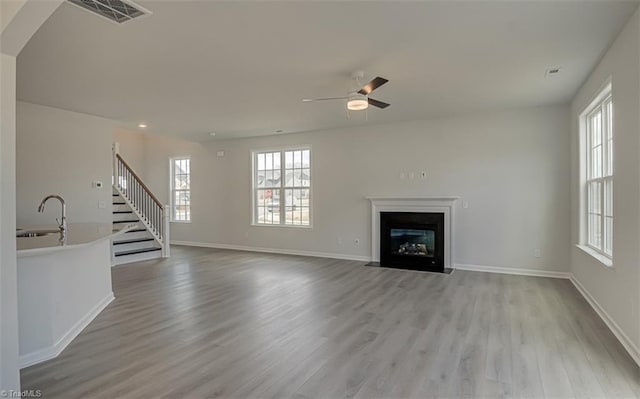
x,y
378,104
371,86
307,100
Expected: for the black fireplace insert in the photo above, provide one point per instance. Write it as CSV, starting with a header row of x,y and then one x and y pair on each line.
x,y
412,240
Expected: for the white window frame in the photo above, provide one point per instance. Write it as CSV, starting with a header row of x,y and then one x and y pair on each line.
x,y
599,103
173,190
282,187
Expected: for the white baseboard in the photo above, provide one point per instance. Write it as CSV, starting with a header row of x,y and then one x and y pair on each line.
x,y
512,270
613,326
273,250
53,351
476,268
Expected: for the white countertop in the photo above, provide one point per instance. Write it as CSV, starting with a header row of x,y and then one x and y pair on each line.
x,y
78,234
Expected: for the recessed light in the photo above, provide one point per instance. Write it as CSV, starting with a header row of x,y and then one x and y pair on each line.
x,y
142,125
212,134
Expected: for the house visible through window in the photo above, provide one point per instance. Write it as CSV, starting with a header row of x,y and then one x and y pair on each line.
x,y
180,189
282,187
598,125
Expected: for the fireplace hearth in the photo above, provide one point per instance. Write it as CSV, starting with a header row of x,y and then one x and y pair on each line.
x,y
412,240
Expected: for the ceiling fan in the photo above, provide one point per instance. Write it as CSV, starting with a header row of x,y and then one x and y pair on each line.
x,y
358,100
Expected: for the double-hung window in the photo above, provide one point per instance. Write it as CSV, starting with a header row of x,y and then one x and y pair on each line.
x,y
181,189
282,187
598,126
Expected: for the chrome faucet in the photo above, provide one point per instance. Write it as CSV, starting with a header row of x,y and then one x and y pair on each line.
x,y
62,224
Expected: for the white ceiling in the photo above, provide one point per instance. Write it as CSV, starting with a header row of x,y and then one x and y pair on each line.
x,y
241,68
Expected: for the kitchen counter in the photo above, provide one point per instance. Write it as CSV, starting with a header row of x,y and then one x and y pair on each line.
x,y
78,234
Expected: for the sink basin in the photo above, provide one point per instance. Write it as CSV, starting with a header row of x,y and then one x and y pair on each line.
x,y
37,233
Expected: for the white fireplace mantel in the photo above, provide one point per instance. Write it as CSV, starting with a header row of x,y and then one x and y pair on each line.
x,y
434,204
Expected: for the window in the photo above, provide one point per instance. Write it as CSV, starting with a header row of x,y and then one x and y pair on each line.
x,y
598,131
282,187
180,190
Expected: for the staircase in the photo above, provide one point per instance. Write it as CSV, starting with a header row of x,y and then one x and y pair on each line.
x,y
133,203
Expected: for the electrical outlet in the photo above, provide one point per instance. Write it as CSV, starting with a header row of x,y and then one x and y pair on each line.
x,y
536,253
339,241
465,204
356,242
412,176
402,175
102,204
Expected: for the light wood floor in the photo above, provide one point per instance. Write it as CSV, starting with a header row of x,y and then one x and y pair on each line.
x,y
216,323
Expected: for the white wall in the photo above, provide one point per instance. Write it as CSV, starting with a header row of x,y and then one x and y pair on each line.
x,y
636,20
132,149
511,166
9,11
62,152
9,376
615,289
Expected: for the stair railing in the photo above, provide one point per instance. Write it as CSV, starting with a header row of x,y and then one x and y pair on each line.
x,y
142,199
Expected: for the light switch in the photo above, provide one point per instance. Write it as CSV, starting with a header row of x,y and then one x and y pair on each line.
x,y
96,184
220,153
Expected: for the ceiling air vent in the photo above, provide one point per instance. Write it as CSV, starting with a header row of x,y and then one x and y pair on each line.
x,y
550,72
118,11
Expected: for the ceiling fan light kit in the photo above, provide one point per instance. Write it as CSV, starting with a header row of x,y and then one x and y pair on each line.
x,y
357,102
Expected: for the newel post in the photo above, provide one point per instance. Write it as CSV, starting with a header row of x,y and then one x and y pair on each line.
x,y
115,148
166,228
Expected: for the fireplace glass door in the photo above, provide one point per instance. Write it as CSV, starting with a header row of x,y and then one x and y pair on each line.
x,y
413,242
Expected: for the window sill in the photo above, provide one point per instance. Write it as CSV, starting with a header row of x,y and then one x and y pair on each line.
x,y
283,226
599,257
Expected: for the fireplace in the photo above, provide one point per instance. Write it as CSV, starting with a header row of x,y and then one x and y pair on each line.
x,y
412,240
